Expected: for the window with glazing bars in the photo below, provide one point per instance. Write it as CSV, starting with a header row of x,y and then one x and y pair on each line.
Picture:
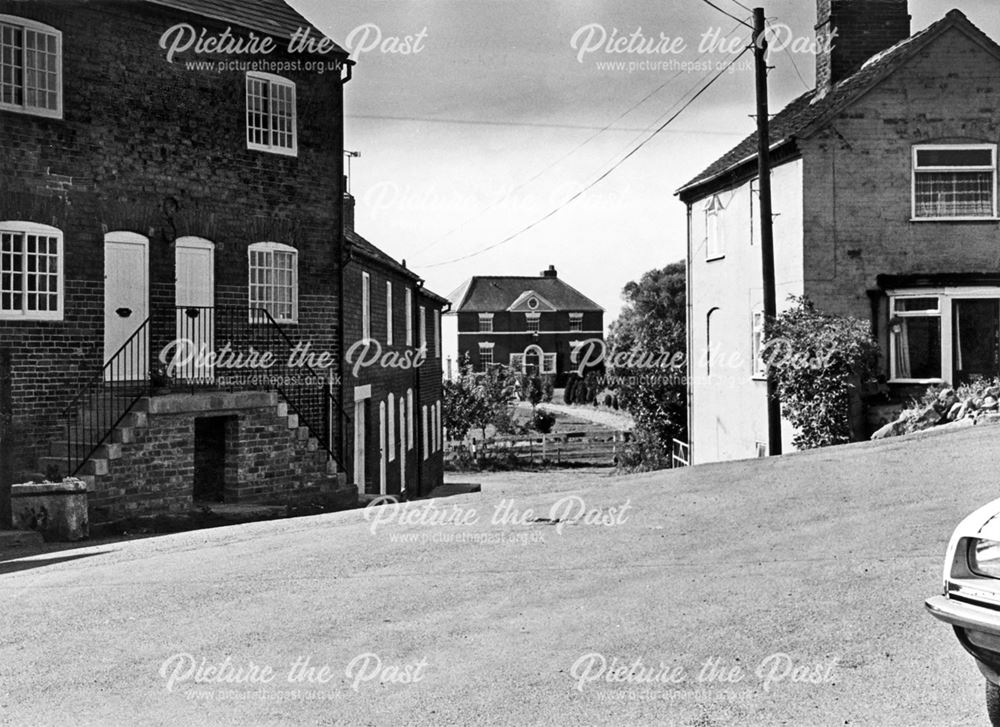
x,y
274,280
271,114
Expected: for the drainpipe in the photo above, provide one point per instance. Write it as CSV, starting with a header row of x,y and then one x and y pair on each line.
x,y
689,335
342,256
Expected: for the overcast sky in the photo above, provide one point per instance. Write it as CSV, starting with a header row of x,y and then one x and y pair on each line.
x,y
497,120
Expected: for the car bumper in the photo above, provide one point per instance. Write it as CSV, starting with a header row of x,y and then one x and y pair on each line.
x,y
977,629
964,615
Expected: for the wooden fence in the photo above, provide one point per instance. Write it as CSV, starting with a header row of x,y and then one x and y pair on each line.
x,y
569,448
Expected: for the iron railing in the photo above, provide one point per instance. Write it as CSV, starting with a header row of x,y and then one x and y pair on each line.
x,y
95,412
214,348
680,454
239,349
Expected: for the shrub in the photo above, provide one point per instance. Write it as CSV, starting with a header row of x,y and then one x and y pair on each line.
x,y
543,421
569,390
548,387
819,362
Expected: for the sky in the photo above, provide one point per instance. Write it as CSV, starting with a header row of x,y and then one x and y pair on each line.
x,y
475,119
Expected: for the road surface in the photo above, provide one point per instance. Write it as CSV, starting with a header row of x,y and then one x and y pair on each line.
x,y
779,592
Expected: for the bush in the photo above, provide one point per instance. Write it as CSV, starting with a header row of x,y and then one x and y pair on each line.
x,y
642,453
608,400
548,388
569,390
543,421
819,362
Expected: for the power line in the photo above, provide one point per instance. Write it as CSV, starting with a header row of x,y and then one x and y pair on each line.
x,y
599,179
726,13
791,57
529,124
749,10
565,156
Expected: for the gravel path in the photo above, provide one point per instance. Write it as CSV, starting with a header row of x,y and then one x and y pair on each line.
x,y
620,422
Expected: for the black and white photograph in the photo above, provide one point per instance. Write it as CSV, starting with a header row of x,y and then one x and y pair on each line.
x,y
526,363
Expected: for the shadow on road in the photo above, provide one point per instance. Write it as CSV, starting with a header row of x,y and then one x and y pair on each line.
x,y
12,566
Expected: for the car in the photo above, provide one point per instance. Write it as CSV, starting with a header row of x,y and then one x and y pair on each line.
x,y
970,601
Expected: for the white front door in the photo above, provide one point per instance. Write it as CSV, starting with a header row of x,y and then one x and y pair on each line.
x,y
383,452
195,297
361,396
126,305
402,445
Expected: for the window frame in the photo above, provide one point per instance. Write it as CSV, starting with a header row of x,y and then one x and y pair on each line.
x,y
715,241
533,322
409,420
939,313
437,333
272,247
388,312
27,24
915,171
576,322
486,346
423,328
485,323
409,316
272,80
390,407
23,228
366,305
758,367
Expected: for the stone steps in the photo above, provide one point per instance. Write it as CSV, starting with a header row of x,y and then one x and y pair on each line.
x,y
129,431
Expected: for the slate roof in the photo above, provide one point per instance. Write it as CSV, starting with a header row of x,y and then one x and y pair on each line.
x,y
494,293
273,17
809,112
374,254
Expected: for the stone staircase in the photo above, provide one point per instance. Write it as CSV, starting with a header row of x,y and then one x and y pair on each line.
x,y
151,426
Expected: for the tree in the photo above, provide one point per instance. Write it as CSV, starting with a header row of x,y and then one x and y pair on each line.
x,y
651,329
819,362
460,402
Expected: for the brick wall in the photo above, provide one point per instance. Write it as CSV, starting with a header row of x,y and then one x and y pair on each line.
x,y
155,148
858,178
266,461
509,336
421,475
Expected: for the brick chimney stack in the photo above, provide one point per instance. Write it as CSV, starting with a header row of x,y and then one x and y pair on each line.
x,y
550,273
860,30
348,208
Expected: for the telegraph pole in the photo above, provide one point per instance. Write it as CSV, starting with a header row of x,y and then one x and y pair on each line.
x,y
766,219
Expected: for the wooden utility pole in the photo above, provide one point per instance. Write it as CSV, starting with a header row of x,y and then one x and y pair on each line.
x,y
766,219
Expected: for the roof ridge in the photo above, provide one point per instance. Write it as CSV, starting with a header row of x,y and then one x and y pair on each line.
x,y
797,118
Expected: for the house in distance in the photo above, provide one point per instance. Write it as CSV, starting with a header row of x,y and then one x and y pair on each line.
x,y
531,324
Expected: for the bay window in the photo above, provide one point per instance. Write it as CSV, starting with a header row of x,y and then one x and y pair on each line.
x,y
915,338
949,334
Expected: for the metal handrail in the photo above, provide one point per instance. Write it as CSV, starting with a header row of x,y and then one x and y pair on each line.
x,y
111,398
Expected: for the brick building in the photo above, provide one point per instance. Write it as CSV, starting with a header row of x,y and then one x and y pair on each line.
x,y
392,372
885,202
528,323
152,192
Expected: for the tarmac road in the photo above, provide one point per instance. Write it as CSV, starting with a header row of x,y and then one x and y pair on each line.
x,y
779,592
